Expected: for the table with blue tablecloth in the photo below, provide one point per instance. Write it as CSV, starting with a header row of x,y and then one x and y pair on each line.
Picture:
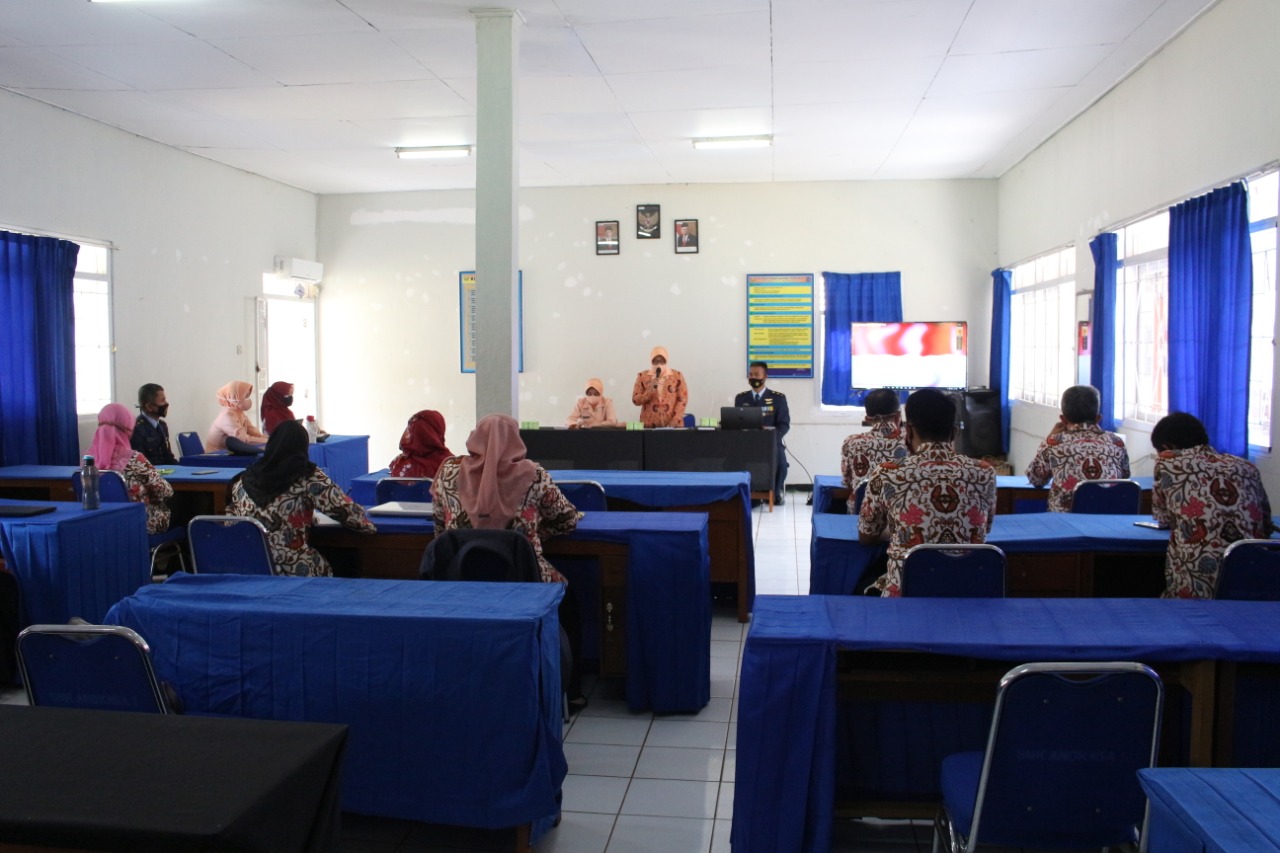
x,y
724,496
75,562
1014,494
837,560
342,457
1212,810
912,648
451,690
666,649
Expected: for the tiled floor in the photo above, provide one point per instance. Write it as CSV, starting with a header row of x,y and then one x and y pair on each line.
x,y
644,784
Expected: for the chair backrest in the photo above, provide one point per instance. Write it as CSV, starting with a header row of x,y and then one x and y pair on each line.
x,y
403,489
228,544
190,444
586,495
1250,571
111,487
954,571
1065,746
480,555
690,421
1107,497
101,667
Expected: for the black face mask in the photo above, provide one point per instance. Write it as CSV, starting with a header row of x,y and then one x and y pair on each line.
x,y
288,401
756,383
161,411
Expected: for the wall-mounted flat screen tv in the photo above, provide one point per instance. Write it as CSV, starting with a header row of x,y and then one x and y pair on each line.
x,y
909,355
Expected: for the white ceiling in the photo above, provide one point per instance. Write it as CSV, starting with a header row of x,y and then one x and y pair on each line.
x,y
317,93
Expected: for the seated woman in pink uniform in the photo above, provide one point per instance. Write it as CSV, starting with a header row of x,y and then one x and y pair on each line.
x,y
111,450
232,430
593,409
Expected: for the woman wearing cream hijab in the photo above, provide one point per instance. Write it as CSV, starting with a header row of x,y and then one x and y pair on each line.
x,y
593,409
232,430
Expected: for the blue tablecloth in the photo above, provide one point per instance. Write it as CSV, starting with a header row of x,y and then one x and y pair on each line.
x,y
669,601
452,691
75,562
783,800
342,457
1199,810
824,484
836,560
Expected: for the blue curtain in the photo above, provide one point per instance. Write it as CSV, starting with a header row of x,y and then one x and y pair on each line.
x,y
1211,313
1102,364
998,373
873,297
37,351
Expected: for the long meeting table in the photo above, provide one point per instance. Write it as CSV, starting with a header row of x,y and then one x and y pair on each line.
x,y
451,690
804,655
1014,494
655,597
1050,553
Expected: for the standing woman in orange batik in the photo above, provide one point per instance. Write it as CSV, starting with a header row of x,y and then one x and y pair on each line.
x,y
660,392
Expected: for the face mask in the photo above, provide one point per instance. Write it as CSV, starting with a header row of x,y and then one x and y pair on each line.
x,y
245,405
161,411
288,401
756,383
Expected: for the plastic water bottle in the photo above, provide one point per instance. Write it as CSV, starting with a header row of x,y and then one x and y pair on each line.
x,y
312,430
89,482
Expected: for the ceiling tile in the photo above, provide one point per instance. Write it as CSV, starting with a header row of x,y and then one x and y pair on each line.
x,y
1022,69
298,60
187,64
833,30
992,25
711,88
854,79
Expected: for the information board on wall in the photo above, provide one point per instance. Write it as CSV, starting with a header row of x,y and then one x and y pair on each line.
x,y
467,320
780,324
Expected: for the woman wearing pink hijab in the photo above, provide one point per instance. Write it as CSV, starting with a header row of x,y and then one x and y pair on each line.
x,y
495,487
111,451
593,409
232,430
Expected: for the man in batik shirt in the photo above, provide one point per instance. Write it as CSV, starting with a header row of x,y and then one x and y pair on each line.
x,y
863,451
1207,499
934,495
1077,449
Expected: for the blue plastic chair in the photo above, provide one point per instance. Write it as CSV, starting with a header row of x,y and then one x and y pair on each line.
x,y
1060,768
1107,497
690,421
100,667
586,495
190,444
112,489
228,545
953,571
416,489
1250,571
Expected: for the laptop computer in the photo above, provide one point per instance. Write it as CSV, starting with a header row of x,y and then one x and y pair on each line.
x,y
420,509
741,417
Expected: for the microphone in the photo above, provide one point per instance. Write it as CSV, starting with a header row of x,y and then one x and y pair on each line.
x,y
657,373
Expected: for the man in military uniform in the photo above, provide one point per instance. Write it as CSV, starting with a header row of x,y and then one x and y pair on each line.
x,y
150,433
776,415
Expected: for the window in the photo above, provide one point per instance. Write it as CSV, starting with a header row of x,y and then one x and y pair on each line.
x,y
1042,333
91,292
1143,311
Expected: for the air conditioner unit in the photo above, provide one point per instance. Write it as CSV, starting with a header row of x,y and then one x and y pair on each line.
x,y
297,268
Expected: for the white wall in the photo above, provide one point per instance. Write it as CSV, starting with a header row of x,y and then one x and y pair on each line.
x,y
389,304
192,239
1201,111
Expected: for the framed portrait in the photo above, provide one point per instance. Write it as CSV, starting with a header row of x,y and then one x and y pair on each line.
x,y
648,222
607,237
686,236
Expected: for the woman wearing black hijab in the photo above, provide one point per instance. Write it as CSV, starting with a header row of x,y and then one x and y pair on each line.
x,y
282,490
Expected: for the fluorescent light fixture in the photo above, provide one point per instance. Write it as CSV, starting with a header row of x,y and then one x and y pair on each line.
x,y
764,140
435,152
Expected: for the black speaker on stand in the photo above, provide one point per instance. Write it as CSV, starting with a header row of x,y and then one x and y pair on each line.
x,y
978,427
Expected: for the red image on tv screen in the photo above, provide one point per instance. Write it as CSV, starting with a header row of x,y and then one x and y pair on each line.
x,y
908,355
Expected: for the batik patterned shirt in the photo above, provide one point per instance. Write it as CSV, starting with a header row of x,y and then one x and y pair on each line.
x,y
545,511
661,401
147,487
863,451
932,496
1080,452
289,515
1209,500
